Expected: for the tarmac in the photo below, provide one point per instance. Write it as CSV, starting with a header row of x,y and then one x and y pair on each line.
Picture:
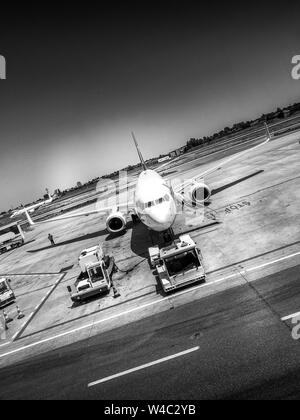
x,y
228,345
251,254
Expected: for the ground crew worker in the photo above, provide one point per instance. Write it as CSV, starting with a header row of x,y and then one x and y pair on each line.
x,y
50,237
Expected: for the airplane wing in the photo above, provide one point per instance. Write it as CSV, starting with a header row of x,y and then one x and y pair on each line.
x,y
32,208
181,187
103,210
23,210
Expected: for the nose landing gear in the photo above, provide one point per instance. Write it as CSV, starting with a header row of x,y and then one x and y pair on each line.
x,y
168,236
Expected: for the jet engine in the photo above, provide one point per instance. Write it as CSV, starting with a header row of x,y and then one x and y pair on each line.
x,y
116,222
199,193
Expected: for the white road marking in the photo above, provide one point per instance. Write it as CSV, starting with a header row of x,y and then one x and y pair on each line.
x,y
224,144
84,327
118,315
38,307
287,257
5,344
145,366
286,318
217,152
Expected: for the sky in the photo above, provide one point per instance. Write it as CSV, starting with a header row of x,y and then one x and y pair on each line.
x,y
81,78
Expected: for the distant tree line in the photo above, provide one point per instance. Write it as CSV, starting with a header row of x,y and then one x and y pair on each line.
x,y
227,131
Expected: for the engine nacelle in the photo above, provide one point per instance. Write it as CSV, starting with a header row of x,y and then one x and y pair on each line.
x,y
115,222
199,193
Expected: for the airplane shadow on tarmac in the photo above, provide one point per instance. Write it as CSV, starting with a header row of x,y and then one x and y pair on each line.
x,y
142,238
238,181
71,241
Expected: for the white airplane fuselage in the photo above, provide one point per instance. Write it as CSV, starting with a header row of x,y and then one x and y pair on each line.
x,y
154,202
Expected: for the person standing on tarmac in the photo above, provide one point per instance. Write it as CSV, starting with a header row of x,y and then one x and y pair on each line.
x,y
50,237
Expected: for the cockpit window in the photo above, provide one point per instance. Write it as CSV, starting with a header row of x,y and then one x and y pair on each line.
x,y
150,204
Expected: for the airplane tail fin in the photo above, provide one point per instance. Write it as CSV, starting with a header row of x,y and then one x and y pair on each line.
x,y
30,221
139,152
267,131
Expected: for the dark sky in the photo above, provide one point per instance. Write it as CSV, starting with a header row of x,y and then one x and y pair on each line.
x,y
79,79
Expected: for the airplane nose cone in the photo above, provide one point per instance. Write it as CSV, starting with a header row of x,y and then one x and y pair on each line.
x,y
163,215
161,218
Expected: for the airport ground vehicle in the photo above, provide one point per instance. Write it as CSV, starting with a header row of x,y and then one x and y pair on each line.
x,y
6,293
96,274
11,236
178,264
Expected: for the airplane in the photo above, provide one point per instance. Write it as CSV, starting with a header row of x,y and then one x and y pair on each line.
x,y
155,202
31,209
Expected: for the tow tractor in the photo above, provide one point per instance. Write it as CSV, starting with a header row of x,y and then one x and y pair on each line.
x,y
179,264
95,276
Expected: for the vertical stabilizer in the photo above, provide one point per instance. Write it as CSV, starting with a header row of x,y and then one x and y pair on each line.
x,y
139,152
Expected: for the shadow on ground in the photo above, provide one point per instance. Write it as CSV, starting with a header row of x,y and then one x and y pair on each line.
x,y
97,234
238,181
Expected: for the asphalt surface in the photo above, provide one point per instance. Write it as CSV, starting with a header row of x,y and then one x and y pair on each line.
x,y
245,351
